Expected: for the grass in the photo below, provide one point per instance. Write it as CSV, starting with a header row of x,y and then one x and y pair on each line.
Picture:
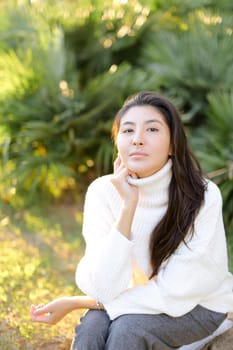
x,y
40,247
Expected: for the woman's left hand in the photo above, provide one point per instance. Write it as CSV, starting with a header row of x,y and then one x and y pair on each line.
x,y
52,312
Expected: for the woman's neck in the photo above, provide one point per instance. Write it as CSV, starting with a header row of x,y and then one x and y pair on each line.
x,y
154,189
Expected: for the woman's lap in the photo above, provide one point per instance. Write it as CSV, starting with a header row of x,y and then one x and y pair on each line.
x,y
140,331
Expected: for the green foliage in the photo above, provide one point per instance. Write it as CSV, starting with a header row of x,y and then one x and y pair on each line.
x,y
213,142
99,44
193,61
33,95
45,114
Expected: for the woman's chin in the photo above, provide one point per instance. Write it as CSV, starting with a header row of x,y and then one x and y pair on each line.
x,y
132,171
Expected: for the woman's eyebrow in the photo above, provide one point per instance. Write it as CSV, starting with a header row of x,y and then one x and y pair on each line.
x,y
128,122
153,121
146,122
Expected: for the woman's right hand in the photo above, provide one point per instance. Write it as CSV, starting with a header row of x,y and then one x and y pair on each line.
x,y
129,195
128,192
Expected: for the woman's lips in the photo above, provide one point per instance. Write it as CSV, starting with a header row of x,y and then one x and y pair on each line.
x,y
137,154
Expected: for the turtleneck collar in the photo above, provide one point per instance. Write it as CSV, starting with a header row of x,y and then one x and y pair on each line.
x,y
153,190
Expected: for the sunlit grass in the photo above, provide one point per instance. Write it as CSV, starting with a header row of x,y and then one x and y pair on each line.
x,y
40,248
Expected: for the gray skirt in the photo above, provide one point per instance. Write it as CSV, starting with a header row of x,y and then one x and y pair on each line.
x,y
143,331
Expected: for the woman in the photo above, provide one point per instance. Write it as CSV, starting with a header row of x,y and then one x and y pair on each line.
x,y
155,267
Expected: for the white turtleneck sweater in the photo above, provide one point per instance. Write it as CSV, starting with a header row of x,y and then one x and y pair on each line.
x,y
115,270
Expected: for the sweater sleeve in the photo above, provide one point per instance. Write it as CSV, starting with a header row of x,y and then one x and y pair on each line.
x,y
192,273
106,268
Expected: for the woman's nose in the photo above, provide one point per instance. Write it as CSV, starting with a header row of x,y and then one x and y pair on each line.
x,y
137,143
138,139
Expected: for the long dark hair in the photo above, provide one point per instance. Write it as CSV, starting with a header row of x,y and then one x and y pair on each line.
x,y
186,188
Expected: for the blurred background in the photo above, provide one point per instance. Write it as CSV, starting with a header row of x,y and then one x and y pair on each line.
x,y
65,69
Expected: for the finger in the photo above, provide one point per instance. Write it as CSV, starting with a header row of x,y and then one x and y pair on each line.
x,y
117,163
122,171
40,310
45,318
40,305
133,175
34,307
120,176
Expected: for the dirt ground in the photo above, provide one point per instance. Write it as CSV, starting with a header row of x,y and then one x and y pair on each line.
x,y
223,342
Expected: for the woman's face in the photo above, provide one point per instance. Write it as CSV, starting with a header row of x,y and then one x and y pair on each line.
x,y
143,140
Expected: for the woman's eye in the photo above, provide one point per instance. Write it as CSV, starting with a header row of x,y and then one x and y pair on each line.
x,y
152,129
127,131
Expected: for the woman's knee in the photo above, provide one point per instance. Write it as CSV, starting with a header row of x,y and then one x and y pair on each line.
x,y
125,333
92,331
95,320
